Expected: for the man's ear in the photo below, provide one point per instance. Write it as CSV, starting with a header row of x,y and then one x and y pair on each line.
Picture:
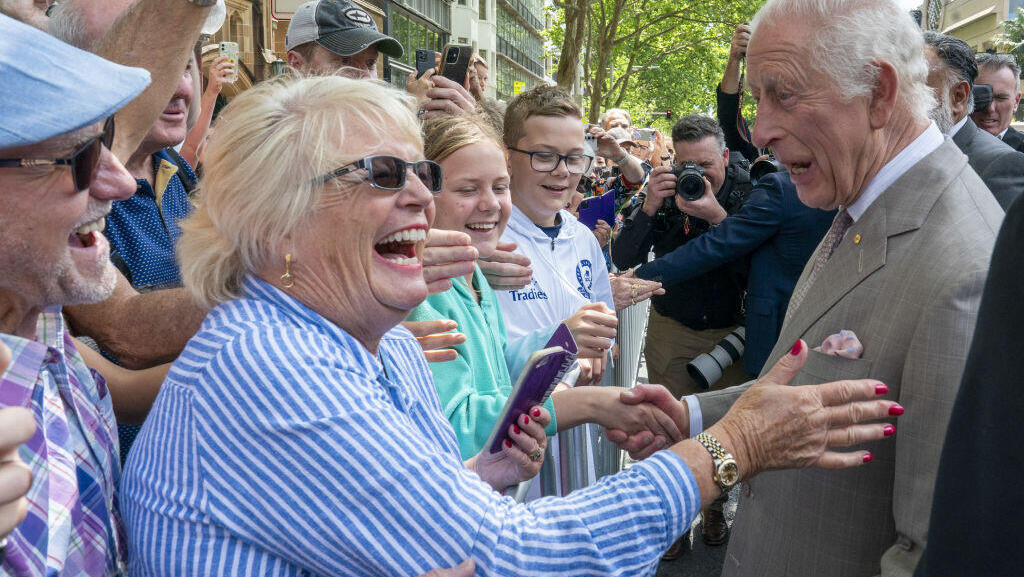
x,y
883,96
295,60
959,95
725,157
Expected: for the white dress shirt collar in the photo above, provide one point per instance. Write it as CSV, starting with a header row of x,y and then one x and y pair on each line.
x,y
921,147
1003,133
956,127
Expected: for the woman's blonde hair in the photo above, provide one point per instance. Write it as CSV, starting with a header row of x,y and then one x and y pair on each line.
x,y
260,180
444,135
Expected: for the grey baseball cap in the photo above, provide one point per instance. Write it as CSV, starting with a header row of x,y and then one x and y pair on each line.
x,y
339,26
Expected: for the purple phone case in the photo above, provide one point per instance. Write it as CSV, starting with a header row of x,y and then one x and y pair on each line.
x,y
599,208
539,378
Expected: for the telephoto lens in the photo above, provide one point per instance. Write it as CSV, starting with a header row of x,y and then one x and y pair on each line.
x,y
689,181
706,369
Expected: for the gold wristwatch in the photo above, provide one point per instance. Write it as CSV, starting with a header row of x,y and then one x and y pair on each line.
x,y
727,474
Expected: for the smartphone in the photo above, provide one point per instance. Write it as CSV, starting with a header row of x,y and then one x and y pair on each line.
x,y
644,134
425,60
455,60
543,371
230,50
590,145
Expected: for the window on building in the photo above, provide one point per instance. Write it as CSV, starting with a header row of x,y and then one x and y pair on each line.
x,y
483,10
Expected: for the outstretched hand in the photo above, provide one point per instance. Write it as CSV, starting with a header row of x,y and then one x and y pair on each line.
x,y
627,290
506,269
774,426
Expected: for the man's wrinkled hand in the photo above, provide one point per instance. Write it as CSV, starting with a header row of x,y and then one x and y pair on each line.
x,y
506,269
740,39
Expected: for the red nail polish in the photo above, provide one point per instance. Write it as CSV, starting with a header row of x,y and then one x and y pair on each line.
x,y
797,347
895,410
508,443
889,430
515,429
526,420
868,457
881,389
536,412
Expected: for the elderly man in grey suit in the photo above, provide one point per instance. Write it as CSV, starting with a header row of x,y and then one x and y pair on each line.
x,y
843,103
952,72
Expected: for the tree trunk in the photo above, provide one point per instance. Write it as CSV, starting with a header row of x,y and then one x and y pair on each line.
x,y
572,43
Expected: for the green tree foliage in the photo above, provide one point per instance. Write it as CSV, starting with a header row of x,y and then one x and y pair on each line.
x,y
1012,39
647,55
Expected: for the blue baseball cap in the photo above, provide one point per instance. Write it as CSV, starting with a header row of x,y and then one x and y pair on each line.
x,y
50,88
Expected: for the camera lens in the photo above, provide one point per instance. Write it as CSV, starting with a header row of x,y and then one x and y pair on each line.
x,y
453,56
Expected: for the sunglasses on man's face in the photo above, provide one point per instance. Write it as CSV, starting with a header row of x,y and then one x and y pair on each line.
x,y
388,172
83,162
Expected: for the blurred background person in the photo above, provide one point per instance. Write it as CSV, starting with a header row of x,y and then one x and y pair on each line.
x,y
1002,73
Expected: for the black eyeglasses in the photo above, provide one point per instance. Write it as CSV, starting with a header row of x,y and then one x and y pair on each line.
x,y
83,162
388,172
544,161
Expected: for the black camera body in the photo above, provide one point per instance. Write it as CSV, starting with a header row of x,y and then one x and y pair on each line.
x,y
689,181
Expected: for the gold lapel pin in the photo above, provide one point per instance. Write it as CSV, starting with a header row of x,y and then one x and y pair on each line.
x,y
856,239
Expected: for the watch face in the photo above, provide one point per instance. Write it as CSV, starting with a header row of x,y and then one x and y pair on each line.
x,y
728,473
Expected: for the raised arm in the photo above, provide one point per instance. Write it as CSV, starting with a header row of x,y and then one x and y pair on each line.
x,y
157,35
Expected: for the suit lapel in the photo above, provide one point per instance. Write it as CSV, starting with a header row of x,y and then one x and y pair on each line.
x,y
903,207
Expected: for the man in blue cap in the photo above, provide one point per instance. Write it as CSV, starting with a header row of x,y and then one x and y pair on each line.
x,y
58,179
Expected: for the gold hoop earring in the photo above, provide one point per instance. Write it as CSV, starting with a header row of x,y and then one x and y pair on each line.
x,y
287,280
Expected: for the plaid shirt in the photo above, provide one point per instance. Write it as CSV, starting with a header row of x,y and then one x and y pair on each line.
x,y
72,527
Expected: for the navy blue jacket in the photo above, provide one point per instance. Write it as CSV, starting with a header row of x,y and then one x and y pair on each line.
x,y
779,232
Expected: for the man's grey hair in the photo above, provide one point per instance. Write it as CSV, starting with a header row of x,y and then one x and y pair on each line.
x,y
697,127
996,62
852,36
958,62
67,24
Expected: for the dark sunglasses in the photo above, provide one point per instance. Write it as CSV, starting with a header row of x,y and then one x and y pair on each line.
x,y
83,162
388,172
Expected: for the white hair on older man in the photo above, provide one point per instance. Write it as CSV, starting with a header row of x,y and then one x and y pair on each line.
x,y
852,36
260,182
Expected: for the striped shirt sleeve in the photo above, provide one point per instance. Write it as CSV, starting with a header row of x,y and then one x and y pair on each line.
x,y
323,463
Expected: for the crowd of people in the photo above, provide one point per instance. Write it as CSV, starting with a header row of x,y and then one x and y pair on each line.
x,y
276,338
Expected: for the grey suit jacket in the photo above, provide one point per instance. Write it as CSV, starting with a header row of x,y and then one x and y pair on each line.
x,y
999,166
907,279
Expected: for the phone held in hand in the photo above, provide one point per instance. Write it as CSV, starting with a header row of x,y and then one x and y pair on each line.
x,y
644,134
425,60
230,51
590,145
543,371
455,60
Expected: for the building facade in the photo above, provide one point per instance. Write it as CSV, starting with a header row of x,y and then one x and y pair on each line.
x,y
976,22
506,33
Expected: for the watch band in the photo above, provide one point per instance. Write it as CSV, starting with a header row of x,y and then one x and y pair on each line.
x,y
716,449
623,159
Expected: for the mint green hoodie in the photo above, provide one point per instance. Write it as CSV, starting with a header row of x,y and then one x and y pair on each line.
x,y
474,387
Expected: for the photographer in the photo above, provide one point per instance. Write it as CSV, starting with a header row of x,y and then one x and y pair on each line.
x,y
692,317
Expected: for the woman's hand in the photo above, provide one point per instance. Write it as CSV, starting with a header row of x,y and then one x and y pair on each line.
x,y
603,233
221,72
593,328
627,290
774,426
521,455
435,338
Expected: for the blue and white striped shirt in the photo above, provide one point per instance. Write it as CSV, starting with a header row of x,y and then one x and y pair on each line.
x,y
280,446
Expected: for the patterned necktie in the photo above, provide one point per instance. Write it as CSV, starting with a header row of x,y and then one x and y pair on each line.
x,y
832,239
